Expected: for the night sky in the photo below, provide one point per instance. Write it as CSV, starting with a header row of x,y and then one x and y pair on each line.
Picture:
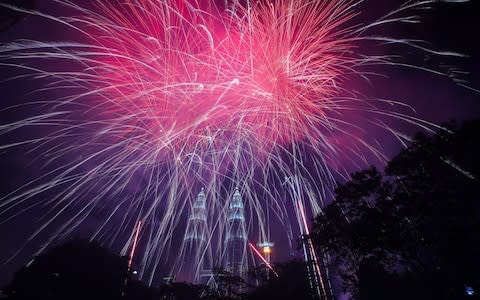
x,y
448,26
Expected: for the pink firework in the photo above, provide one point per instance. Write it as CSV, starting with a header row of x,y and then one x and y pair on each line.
x,y
265,73
160,99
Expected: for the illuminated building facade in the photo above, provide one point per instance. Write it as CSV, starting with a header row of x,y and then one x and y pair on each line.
x,y
236,237
195,241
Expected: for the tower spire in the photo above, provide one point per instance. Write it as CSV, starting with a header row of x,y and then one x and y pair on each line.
x,y
236,239
195,240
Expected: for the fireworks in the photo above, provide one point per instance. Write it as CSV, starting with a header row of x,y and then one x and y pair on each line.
x,y
159,99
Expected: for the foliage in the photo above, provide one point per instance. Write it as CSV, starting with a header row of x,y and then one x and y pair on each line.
x,y
291,283
416,225
76,270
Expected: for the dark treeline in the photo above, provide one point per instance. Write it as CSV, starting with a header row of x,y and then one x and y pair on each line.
x,y
80,269
413,230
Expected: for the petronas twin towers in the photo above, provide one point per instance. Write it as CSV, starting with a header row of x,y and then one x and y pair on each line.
x,y
197,259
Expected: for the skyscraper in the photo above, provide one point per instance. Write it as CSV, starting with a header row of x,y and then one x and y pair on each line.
x,y
195,241
236,237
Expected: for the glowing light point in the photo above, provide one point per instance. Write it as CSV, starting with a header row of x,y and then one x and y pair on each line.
x,y
470,291
266,247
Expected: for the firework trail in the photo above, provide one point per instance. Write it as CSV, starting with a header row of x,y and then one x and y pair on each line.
x,y
159,99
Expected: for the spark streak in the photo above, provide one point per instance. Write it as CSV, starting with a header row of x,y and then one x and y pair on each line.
x,y
262,258
155,100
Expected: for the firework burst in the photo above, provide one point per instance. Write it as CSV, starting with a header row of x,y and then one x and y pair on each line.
x,y
162,98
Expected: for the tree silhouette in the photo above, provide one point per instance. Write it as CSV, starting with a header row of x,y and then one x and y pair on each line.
x,y
291,283
414,229
180,291
76,270
79,269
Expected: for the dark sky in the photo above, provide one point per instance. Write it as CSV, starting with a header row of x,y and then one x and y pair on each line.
x,y
449,26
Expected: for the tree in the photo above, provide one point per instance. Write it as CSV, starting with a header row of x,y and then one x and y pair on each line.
x,y
291,283
416,226
77,269
181,291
